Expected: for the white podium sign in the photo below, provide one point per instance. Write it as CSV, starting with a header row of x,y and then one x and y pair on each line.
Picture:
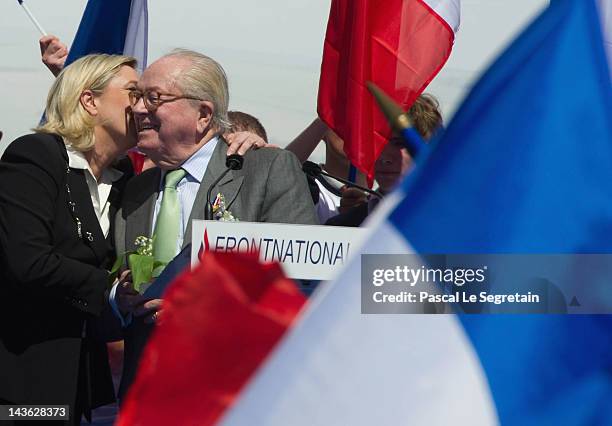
x,y
312,252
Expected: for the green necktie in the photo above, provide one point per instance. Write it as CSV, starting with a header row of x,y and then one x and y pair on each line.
x,y
168,221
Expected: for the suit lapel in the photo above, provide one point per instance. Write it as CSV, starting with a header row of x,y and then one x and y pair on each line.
x,y
83,210
229,186
114,200
116,193
139,207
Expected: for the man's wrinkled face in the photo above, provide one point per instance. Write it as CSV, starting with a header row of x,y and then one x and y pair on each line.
x,y
168,134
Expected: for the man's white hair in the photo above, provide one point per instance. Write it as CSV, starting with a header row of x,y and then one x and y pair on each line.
x,y
205,79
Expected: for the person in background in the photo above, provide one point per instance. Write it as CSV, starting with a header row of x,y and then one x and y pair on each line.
x,y
59,191
395,162
243,122
328,194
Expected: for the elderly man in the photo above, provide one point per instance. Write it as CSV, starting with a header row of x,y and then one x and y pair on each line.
x,y
180,110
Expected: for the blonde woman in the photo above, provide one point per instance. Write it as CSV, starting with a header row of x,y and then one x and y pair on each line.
x,y
58,193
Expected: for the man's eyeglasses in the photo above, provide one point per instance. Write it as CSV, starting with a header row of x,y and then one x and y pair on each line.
x,y
152,100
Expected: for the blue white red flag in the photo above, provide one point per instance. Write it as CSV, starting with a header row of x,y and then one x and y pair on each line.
x,y
114,27
400,45
524,167
605,12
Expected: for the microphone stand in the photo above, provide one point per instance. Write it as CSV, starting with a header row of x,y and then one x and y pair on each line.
x,y
315,170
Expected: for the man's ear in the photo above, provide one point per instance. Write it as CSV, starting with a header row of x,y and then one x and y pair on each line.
x,y
88,102
206,116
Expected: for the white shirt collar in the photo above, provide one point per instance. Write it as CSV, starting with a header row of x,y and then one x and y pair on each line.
x,y
99,191
77,160
196,164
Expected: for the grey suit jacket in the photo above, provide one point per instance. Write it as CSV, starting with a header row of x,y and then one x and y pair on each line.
x,y
270,187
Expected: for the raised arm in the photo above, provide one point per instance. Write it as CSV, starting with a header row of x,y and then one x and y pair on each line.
x,y
306,142
53,53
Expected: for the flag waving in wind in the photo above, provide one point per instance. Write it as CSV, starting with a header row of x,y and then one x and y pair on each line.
x,y
113,27
605,11
524,167
400,45
220,322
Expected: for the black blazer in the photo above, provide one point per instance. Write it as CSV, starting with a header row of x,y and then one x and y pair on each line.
x,y
52,282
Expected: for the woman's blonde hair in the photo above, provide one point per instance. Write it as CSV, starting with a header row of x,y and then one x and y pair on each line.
x,y
64,113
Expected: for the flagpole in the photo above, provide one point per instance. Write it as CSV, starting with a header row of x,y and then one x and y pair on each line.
x,y
32,18
352,175
399,120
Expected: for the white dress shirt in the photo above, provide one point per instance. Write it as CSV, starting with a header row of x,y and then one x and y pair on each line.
x,y
187,189
98,190
329,203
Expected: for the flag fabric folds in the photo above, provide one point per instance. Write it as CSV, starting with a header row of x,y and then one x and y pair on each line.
x,y
113,27
337,366
400,45
539,126
218,324
137,35
605,11
524,167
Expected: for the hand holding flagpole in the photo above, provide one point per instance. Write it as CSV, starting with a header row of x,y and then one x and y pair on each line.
x,y
32,18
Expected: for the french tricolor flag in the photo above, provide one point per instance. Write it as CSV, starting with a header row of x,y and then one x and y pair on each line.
x,y
113,27
524,167
517,171
400,45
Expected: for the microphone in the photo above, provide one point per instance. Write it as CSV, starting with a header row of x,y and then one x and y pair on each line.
x,y
233,162
315,171
311,168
